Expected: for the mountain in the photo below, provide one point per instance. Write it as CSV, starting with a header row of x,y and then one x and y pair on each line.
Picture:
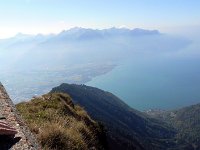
x,y
187,121
127,128
37,59
59,124
78,33
88,34
50,51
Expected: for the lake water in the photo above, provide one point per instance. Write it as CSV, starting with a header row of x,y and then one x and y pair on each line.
x,y
154,83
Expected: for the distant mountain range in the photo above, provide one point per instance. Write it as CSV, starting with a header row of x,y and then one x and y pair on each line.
x,y
87,33
41,62
61,55
78,33
130,129
61,47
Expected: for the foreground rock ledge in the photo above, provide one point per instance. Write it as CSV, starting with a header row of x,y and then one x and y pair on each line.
x,y
23,140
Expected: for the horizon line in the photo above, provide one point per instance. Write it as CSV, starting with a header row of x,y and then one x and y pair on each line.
x,y
71,28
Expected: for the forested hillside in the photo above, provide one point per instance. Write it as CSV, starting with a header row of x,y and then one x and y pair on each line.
x,y
187,122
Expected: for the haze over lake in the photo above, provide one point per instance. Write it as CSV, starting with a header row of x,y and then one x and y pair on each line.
x,y
146,68
163,75
157,83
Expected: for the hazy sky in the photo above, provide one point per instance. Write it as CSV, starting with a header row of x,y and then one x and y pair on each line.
x,y
45,16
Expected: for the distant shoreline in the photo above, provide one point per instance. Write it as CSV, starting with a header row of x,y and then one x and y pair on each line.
x,y
26,85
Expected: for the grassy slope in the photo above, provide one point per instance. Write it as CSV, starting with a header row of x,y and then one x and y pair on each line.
x,y
59,124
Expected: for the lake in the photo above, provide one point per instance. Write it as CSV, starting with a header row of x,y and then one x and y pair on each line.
x,y
154,83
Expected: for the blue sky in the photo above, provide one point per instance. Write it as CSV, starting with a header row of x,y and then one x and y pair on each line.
x,y
46,16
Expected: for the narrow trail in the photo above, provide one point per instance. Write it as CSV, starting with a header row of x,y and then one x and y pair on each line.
x,y
23,140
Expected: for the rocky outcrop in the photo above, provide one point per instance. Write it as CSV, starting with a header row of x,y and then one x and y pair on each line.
x,y
23,140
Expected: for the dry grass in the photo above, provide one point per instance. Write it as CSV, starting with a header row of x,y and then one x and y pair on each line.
x,y
58,124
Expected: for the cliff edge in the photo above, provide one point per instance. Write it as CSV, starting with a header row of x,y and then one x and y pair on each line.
x,y
24,138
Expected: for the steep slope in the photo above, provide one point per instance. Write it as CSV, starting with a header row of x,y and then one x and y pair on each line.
x,y
127,128
23,139
187,121
60,125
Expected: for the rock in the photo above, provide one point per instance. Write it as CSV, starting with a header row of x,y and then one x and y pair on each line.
x,y
14,134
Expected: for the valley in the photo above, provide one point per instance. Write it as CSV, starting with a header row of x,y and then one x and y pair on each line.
x,y
23,85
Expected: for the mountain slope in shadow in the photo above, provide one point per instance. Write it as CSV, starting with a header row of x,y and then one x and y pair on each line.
x,y
127,128
187,122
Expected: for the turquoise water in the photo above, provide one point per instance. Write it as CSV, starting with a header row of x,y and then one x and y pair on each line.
x,y
153,83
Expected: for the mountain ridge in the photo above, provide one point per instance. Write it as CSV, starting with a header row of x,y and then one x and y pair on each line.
x,y
127,128
74,30
59,124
